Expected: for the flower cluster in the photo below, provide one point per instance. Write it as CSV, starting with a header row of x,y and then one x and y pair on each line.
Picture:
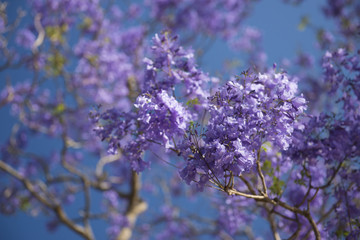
x,y
346,14
210,17
342,75
172,65
41,114
250,42
174,225
161,117
232,214
245,113
101,60
331,142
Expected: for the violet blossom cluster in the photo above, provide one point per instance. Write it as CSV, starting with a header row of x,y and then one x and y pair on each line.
x,y
250,41
162,117
331,142
245,113
347,17
172,65
210,17
159,117
253,109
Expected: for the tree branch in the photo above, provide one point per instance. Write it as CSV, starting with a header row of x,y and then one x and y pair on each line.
x,y
136,206
261,174
55,207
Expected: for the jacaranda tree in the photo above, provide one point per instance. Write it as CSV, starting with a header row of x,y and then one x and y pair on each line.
x,y
137,127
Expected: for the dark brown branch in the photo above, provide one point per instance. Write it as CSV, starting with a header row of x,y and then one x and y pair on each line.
x,y
247,183
331,179
296,233
313,224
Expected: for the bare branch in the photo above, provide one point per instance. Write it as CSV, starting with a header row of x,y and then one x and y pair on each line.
x,y
55,207
136,206
40,38
261,174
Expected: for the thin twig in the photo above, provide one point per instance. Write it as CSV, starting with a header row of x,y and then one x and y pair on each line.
x,y
261,174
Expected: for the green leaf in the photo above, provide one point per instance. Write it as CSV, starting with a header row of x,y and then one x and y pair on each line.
x,y
56,33
92,60
303,23
24,203
267,166
277,186
86,24
192,102
60,108
266,146
300,182
55,64
191,124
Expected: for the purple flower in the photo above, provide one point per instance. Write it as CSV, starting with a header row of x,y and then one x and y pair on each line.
x,y
112,198
170,66
25,38
305,60
161,117
208,17
245,113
